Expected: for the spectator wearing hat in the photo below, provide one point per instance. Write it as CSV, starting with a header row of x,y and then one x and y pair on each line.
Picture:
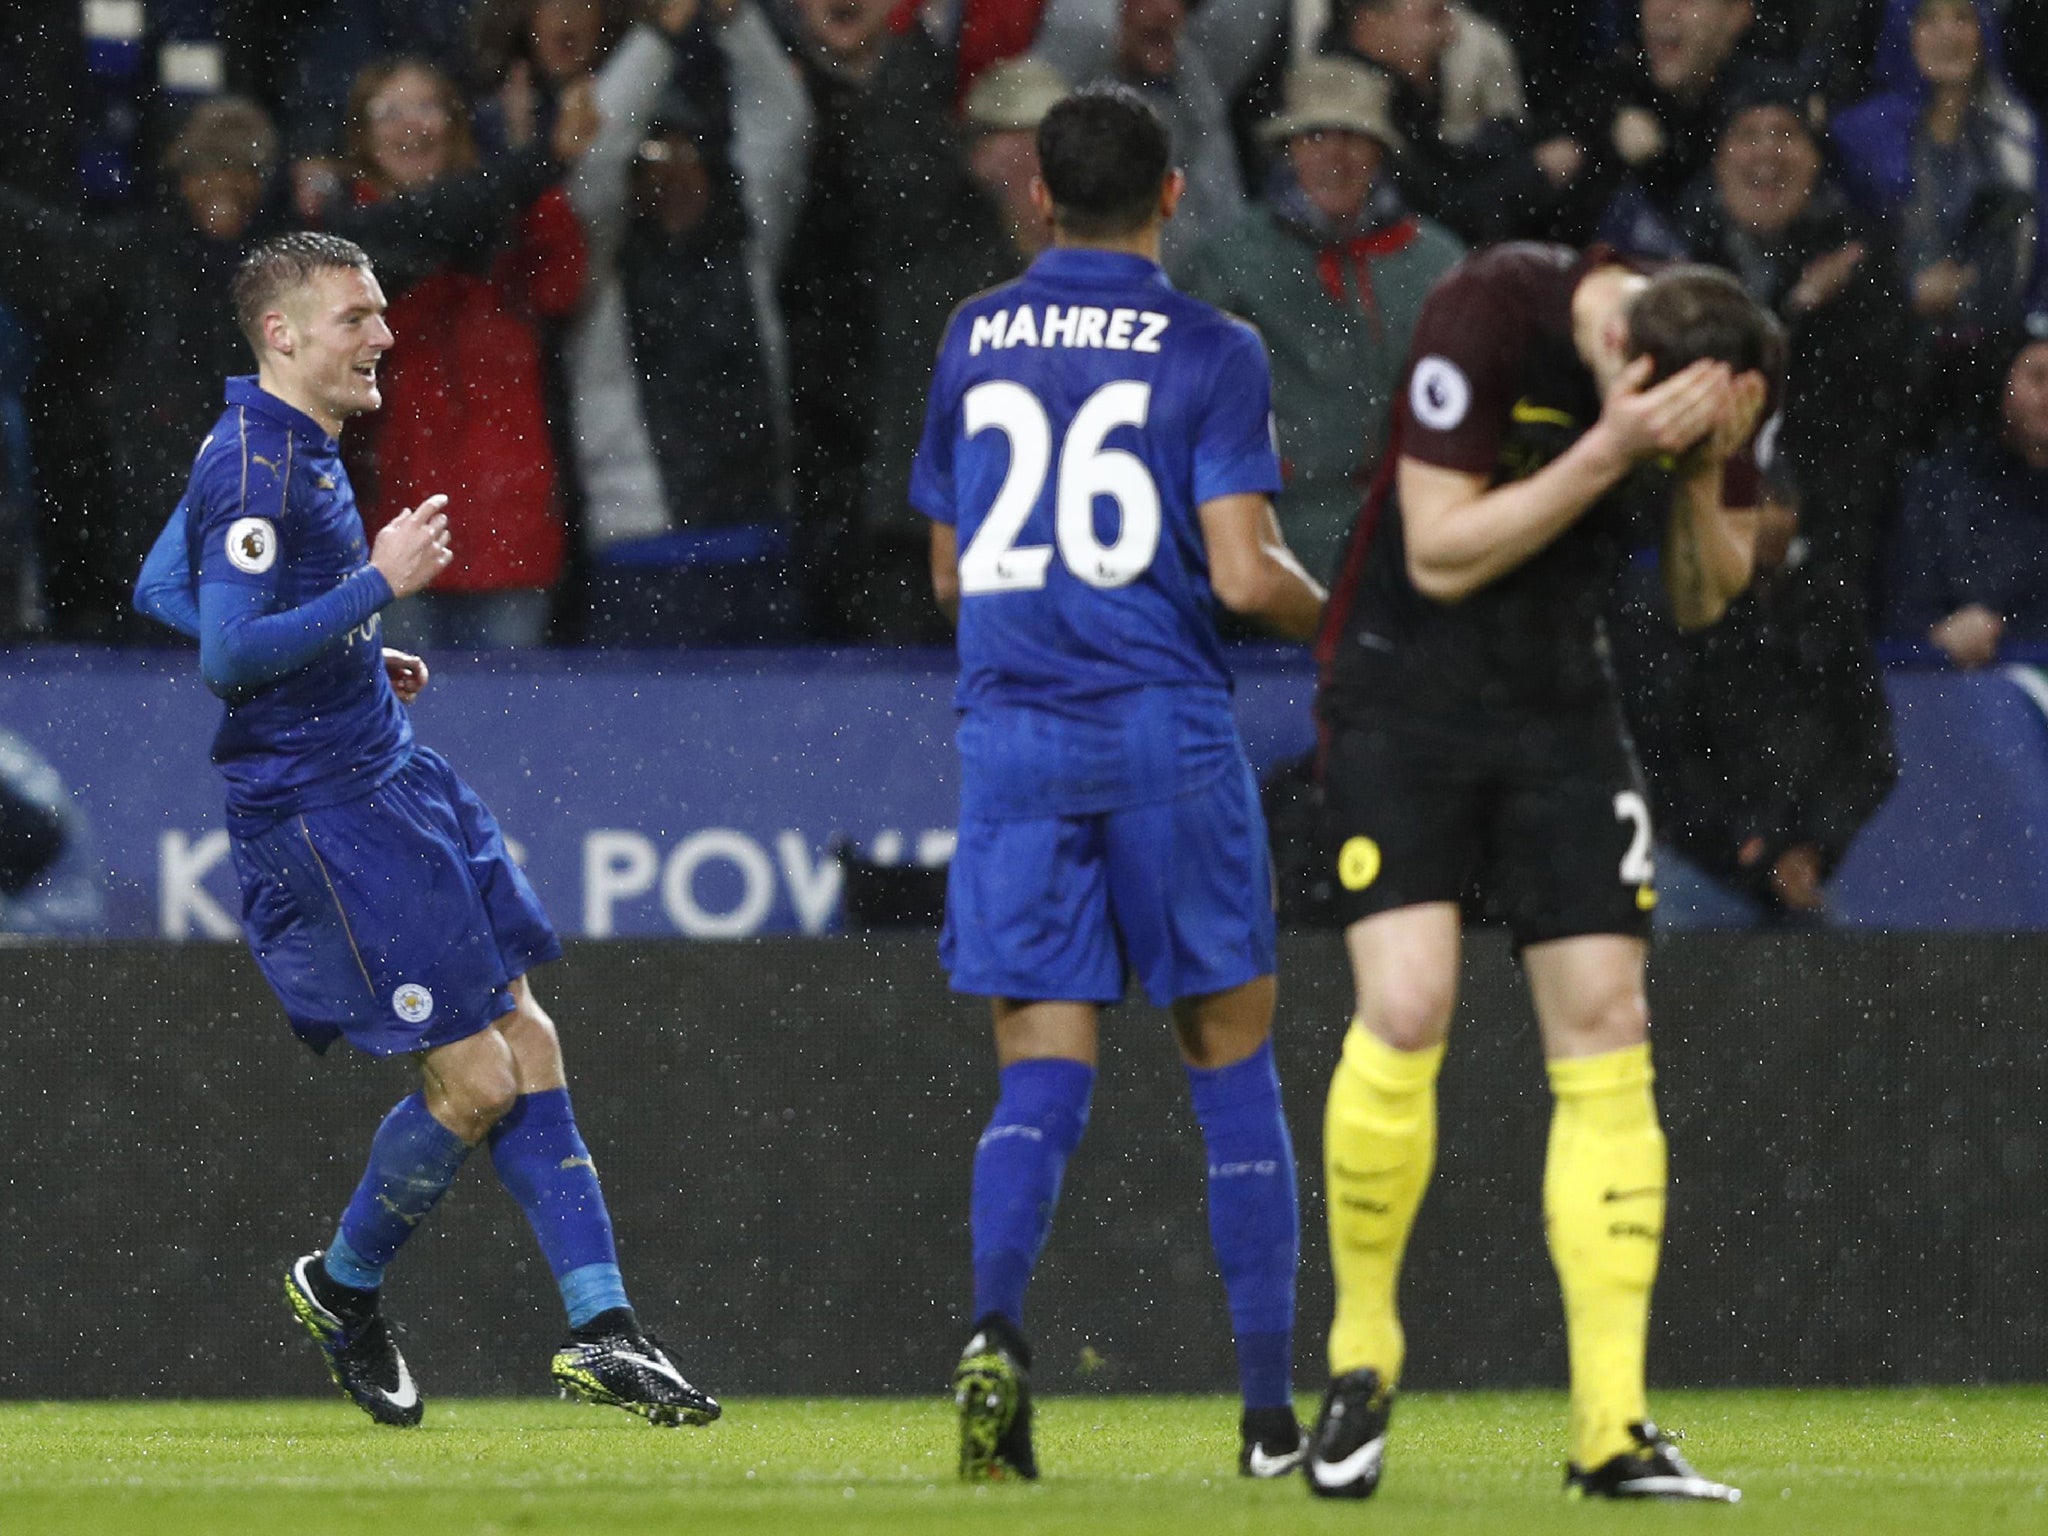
x,y
129,365
1970,561
1001,116
1333,269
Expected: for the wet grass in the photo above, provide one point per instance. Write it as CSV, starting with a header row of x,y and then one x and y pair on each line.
x,y
1919,1461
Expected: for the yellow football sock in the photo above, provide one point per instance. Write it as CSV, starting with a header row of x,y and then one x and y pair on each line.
x,y
1379,1145
1603,1204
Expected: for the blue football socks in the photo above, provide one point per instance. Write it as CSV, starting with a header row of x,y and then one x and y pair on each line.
x,y
413,1160
1041,1110
1254,1217
542,1161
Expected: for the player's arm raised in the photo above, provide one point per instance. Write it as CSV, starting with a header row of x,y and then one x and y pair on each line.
x,y
1710,547
1252,570
1461,534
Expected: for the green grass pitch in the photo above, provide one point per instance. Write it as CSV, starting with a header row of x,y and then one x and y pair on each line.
x,y
1870,1463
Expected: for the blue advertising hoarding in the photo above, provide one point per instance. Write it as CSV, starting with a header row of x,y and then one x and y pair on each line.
x,y
699,794
702,794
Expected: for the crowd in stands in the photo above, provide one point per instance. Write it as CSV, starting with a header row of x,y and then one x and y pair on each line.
x,y
667,277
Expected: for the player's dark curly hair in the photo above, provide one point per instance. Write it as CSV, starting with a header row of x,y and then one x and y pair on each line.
x,y
1104,151
1690,312
279,265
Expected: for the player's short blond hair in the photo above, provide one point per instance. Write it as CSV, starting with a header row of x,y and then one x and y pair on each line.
x,y
283,263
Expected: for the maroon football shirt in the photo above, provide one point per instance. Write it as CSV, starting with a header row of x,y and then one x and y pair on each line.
x,y
1495,387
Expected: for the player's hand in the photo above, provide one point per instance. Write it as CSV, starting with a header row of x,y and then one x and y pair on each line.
x,y
1649,420
1738,421
408,674
1822,279
1560,159
412,549
1970,636
1938,289
577,121
1795,879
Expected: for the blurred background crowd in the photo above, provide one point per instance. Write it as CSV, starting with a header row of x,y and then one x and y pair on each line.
x,y
667,277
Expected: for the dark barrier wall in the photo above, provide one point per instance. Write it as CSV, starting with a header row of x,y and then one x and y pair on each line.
x,y
785,1125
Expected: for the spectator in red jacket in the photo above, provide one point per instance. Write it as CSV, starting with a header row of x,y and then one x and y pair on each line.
x,y
464,405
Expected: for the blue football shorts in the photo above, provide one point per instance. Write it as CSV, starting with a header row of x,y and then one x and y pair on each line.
x,y
397,920
1177,892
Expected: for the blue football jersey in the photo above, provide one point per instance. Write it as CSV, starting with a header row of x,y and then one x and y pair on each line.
x,y
269,507
1078,418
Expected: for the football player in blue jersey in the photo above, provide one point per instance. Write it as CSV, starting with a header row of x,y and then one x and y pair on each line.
x,y
377,893
1098,462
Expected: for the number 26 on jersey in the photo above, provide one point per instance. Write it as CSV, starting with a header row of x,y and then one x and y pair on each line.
x,y
993,560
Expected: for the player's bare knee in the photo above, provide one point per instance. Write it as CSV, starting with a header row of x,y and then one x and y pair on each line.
x,y
1215,1044
1609,1021
471,1104
1410,1013
482,1094
492,1099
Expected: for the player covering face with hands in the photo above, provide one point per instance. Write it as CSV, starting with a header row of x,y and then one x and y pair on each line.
x,y
1474,743
378,896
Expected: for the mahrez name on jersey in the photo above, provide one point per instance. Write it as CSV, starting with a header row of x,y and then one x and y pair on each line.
x,y
1075,325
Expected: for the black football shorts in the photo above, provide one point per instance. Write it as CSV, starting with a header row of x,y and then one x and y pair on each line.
x,y
1542,824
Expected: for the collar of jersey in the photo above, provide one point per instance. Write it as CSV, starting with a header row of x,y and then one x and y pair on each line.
x,y
243,390
1077,264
